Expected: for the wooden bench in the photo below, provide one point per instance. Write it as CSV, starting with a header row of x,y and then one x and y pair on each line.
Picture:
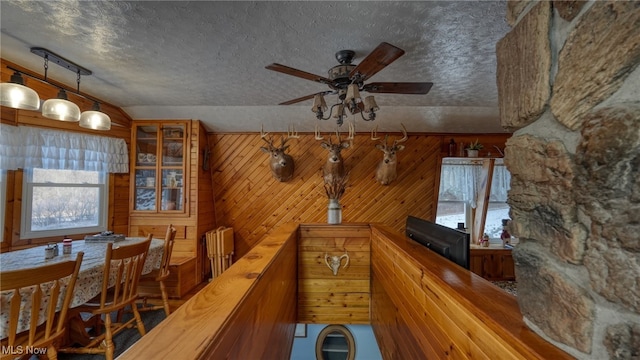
x,y
181,280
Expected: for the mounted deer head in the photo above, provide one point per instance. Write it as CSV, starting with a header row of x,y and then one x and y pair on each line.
x,y
386,171
282,165
334,166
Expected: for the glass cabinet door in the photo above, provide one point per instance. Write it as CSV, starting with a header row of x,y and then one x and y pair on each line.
x,y
159,167
145,165
173,145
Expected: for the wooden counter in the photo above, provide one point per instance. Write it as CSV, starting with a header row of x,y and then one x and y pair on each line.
x,y
493,263
248,312
421,304
424,306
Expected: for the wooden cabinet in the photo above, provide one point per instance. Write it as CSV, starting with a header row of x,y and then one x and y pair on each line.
x,y
493,264
158,167
171,184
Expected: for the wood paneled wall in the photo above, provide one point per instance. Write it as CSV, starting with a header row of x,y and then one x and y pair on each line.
x,y
424,306
248,199
324,298
248,312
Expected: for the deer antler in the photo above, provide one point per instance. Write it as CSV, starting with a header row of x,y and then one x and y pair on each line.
x,y
404,138
263,136
292,133
352,131
374,133
317,133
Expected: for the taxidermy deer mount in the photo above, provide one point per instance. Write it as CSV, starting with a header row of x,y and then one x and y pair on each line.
x,y
281,163
334,166
386,170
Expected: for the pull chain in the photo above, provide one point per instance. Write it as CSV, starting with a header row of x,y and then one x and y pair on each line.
x,y
78,91
46,66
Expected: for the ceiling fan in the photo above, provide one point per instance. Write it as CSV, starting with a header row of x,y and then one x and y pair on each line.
x,y
341,76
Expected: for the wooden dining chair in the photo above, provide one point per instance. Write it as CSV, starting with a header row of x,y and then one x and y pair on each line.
x,y
122,270
44,287
160,275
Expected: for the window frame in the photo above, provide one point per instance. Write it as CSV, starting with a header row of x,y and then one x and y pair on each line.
x,y
470,214
27,206
3,202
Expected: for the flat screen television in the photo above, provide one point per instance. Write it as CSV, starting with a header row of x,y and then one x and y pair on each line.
x,y
449,243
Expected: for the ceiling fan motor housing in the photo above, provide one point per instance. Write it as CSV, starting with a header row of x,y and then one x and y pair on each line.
x,y
339,74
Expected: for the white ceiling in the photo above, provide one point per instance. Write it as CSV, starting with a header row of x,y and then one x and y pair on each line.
x,y
206,59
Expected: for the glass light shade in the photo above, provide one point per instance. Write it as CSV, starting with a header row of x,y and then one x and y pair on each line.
x,y
95,119
352,94
370,104
318,101
15,95
338,111
61,108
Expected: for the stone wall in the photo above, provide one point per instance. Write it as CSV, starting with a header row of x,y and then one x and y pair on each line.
x,y
569,86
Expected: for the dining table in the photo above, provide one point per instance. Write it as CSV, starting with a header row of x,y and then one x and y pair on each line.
x,y
88,284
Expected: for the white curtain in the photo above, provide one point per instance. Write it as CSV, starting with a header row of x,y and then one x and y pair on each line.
x,y
460,181
23,147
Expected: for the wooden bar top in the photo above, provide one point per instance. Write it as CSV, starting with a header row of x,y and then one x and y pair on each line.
x,y
492,316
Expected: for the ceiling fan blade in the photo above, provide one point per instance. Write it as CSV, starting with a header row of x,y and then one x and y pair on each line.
x,y
398,87
306,97
383,55
298,73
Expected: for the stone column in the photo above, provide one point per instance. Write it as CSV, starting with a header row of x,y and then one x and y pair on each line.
x,y
569,87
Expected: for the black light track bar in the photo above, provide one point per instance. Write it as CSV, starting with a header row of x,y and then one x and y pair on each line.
x,y
69,65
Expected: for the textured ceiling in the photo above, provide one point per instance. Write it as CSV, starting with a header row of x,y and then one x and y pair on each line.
x,y
206,59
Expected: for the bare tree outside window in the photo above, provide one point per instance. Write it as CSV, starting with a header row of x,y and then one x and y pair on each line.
x,y
63,200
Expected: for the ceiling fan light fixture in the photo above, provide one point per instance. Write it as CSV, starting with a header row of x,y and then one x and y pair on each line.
x,y
353,95
370,104
61,109
15,94
319,104
95,119
337,111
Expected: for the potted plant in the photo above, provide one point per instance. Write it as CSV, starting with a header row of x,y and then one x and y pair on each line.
x,y
473,148
334,187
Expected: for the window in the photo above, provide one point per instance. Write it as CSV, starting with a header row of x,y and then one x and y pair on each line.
x,y
63,202
335,342
459,187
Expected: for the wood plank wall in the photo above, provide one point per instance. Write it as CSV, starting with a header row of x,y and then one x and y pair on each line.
x,y
424,306
322,297
248,312
248,199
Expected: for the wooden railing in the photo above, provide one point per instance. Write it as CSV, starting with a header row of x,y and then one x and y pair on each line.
x,y
422,305
248,312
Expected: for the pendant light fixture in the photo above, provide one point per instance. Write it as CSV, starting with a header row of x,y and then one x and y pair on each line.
x,y
61,108
15,95
95,119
